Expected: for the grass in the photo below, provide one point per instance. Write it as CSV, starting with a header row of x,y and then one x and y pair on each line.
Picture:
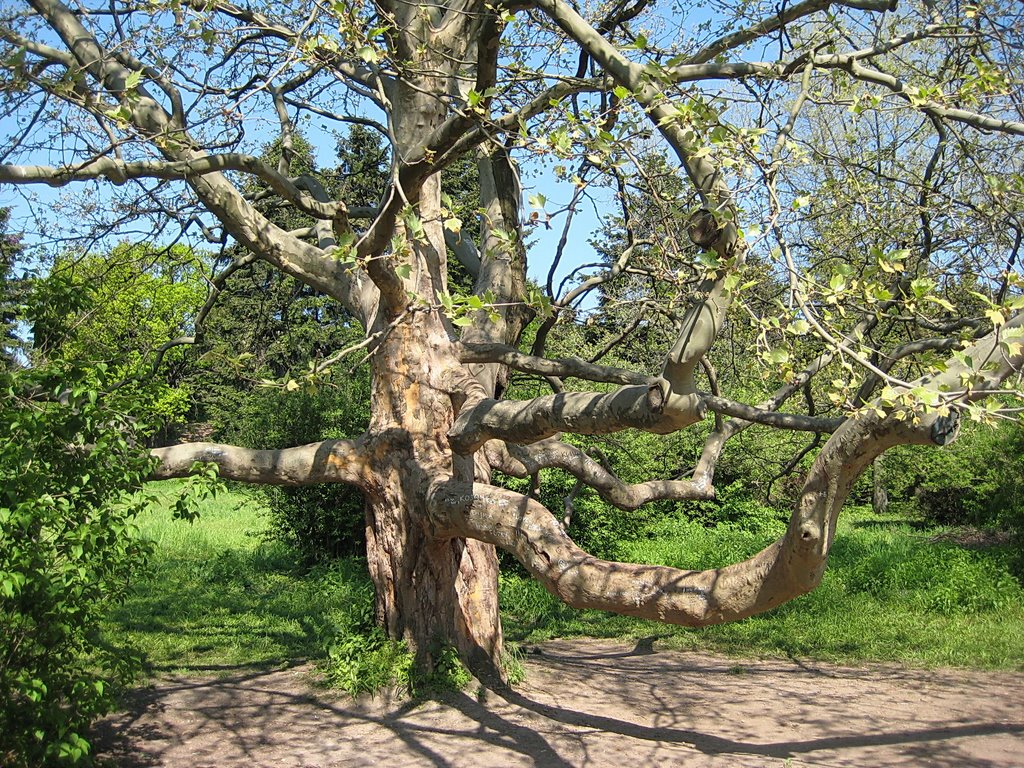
x,y
219,596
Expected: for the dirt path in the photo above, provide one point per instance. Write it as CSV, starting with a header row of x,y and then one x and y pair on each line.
x,y
591,703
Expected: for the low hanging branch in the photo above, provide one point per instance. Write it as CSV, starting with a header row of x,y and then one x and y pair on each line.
x,y
525,528
329,461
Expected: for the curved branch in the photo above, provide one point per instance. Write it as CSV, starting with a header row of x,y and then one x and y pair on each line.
x,y
929,107
715,443
791,566
523,461
329,461
524,527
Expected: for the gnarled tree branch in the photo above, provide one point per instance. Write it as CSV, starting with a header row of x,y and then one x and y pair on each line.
x,y
584,413
524,461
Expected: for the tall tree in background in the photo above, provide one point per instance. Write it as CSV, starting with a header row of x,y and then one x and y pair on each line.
x,y
162,100
10,248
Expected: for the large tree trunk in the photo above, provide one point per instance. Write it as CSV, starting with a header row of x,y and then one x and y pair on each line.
x,y
432,592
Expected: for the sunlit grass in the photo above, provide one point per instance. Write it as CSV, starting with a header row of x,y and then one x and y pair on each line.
x,y
219,595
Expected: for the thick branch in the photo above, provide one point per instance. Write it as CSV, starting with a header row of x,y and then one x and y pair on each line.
x,y
118,172
786,569
329,461
584,413
529,531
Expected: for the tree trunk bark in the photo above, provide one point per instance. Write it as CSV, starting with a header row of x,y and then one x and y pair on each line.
x,y
432,592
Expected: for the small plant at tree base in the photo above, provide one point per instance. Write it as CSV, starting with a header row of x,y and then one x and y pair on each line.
x,y
448,674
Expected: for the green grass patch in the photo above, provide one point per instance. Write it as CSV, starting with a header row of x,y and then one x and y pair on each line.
x,y
890,593
219,595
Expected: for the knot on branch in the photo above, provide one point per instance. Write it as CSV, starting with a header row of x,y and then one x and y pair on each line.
x,y
946,428
703,228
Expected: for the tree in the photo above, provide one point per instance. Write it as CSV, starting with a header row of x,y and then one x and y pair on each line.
x,y
70,476
764,122
10,248
125,305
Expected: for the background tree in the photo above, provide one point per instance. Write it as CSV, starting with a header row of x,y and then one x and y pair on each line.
x,y
160,100
10,248
72,467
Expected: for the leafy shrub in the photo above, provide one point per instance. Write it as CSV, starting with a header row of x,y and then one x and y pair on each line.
x,y
68,480
361,658
322,521
976,481
448,674
366,662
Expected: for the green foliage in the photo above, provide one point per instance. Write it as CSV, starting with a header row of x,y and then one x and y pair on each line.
x,y
361,658
320,521
218,594
940,577
10,250
975,481
734,509
367,661
118,309
69,473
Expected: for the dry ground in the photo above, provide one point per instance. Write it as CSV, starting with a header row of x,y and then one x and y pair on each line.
x,y
589,703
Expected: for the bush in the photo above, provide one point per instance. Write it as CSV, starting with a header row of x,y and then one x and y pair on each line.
x,y
323,521
976,481
68,481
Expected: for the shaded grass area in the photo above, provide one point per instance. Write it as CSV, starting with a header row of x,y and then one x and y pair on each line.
x,y
891,593
219,595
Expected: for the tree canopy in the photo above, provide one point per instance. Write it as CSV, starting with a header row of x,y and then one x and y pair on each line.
x,y
831,187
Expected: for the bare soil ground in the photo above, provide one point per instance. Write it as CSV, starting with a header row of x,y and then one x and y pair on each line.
x,y
588,703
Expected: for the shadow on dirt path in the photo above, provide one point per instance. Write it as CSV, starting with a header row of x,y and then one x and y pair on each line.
x,y
588,703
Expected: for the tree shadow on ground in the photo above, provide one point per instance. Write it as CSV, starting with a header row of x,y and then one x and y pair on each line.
x,y
585,702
